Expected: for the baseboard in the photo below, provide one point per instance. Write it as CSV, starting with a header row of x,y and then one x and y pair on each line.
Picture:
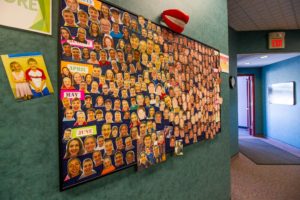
x,y
234,155
244,127
260,135
267,137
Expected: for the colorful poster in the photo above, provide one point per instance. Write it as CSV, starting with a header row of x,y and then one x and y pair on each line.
x,y
129,90
31,15
27,75
224,63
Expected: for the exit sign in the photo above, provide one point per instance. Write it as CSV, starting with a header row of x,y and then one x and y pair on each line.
x,y
276,40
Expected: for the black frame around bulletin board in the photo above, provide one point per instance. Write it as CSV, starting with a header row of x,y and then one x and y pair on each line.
x,y
129,91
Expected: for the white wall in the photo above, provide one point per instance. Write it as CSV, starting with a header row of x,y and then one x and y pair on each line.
x,y
242,101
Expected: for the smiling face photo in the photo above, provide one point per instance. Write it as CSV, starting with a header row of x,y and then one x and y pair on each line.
x,y
145,90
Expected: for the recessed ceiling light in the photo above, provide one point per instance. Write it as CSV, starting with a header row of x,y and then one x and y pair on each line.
x,y
247,63
262,57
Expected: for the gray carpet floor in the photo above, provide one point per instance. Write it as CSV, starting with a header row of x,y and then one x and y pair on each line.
x,y
263,153
263,182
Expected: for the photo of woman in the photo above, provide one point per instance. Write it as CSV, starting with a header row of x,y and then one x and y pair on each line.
x,y
108,42
94,31
74,148
65,34
126,19
65,72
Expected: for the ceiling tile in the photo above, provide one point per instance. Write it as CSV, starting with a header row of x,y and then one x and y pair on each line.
x,y
246,15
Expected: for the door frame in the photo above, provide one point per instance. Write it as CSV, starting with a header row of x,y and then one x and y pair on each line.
x,y
250,103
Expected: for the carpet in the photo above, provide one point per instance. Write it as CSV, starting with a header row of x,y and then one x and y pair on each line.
x,y
263,153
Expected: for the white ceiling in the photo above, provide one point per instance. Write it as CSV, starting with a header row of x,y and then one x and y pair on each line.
x,y
250,15
261,60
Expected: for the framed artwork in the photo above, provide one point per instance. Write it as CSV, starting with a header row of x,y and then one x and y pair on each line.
x,y
129,89
282,93
27,75
35,15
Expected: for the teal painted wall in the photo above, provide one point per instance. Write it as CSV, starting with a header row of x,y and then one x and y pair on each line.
x,y
281,121
258,96
233,43
29,134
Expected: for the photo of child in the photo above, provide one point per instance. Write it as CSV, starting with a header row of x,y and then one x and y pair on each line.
x,y
22,86
27,75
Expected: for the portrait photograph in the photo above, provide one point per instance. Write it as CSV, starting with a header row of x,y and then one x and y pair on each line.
x,y
28,76
178,148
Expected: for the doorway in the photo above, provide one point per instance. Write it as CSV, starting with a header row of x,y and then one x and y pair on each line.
x,y
246,104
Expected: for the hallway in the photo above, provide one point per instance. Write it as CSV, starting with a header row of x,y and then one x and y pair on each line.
x,y
243,132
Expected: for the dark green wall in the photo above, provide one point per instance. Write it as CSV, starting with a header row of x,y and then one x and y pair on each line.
x,y
257,42
233,43
257,72
29,134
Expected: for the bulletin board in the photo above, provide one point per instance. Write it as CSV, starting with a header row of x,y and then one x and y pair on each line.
x,y
130,90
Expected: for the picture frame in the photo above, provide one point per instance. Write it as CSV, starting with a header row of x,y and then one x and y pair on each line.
x,y
282,93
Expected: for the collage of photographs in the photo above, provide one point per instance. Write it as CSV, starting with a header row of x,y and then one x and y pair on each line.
x,y
131,91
